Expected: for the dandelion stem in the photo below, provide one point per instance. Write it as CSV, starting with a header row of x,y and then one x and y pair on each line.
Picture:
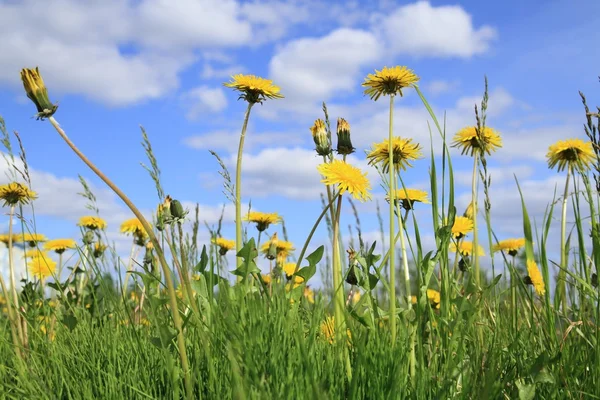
x,y
392,195
475,235
338,285
238,188
561,291
148,228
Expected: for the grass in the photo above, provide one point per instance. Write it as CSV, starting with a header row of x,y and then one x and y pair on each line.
x,y
255,338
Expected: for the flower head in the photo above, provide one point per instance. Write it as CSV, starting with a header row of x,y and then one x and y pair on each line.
x,y
289,269
328,330
31,238
99,249
59,246
511,246
41,266
134,226
572,152
92,222
466,248
405,151
535,278
389,81
433,296
344,144
309,294
254,89
469,211
320,137
409,196
347,178
37,92
16,193
471,142
282,248
224,245
4,238
262,220
462,226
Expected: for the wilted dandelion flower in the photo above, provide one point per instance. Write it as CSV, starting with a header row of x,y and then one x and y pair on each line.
x,y
389,81
92,222
254,89
535,278
262,220
462,226
405,151
32,239
41,266
511,246
321,138
572,152
347,178
16,193
59,246
468,141
409,196
466,248
224,245
433,296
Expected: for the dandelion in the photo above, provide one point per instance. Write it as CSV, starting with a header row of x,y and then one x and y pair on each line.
x,y
471,142
41,266
32,239
328,330
462,226
347,178
433,296
289,269
469,212
34,253
404,152
535,278
573,153
344,145
408,197
16,193
282,247
309,295
262,220
465,248
254,89
511,246
59,246
99,249
389,81
37,92
92,222
5,238
134,226
320,137
266,278
224,245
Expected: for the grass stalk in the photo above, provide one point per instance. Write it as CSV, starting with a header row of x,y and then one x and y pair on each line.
x,y
238,187
392,196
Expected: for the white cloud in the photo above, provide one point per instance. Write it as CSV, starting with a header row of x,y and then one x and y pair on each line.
x,y
420,29
229,140
209,72
499,102
438,87
499,174
205,100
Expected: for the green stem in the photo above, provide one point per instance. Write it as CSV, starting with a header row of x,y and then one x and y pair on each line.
x,y
13,280
128,272
475,235
513,296
392,195
338,285
238,188
561,293
148,228
11,318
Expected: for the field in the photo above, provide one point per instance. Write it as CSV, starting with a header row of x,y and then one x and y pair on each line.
x,y
411,322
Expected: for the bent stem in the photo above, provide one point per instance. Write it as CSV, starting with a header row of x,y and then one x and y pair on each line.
x,y
238,188
561,291
392,196
157,247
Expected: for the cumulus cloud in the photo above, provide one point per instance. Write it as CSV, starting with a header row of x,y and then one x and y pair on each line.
x,y
205,99
229,140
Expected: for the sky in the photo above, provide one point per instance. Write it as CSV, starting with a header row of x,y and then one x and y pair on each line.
x,y
114,66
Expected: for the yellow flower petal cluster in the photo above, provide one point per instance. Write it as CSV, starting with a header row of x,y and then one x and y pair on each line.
x,y
60,245
224,245
389,81
41,266
347,177
283,247
328,330
262,220
309,294
535,278
571,153
31,238
92,222
4,238
433,296
254,89
462,226
469,142
16,193
511,246
409,196
405,151
134,226
466,248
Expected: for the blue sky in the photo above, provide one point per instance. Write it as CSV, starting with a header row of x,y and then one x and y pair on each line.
x,y
115,65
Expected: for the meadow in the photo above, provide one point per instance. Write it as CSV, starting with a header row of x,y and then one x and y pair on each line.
x,y
408,322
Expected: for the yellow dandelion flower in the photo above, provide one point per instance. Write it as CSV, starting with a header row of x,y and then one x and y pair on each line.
x,y
470,142
466,248
408,197
134,226
254,89
511,246
59,246
4,238
266,278
224,245
328,330
389,81
535,278
347,178
469,211
283,248
34,253
433,296
92,222
462,226
309,294
31,238
41,266
289,269
262,220
99,249
405,151
16,193
572,152
356,297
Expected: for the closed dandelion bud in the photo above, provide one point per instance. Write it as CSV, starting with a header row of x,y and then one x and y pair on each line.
x,y
351,276
469,211
88,238
177,210
319,134
344,145
595,280
37,92
272,252
99,250
462,265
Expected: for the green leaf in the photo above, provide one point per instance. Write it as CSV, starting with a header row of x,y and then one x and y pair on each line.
x,y
248,253
313,259
526,390
201,266
70,321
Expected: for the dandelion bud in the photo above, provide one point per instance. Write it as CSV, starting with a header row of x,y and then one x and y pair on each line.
x,y
272,253
177,209
469,211
88,238
319,134
344,146
37,92
351,276
99,250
